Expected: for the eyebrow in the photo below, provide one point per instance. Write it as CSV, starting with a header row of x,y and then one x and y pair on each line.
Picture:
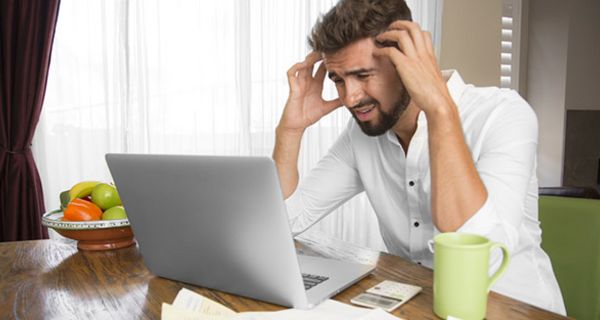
x,y
331,75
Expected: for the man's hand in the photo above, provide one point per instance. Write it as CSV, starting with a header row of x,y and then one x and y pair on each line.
x,y
415,62
305,104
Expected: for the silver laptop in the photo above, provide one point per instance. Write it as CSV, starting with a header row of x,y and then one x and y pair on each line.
x,y
221,223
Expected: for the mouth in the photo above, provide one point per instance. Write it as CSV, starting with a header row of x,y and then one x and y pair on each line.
x,y
364,113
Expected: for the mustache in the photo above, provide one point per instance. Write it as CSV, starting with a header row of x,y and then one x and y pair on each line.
x,y
364,102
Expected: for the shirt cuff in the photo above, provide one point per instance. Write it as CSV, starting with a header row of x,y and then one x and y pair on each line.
x,y
294,207
483,222
486,222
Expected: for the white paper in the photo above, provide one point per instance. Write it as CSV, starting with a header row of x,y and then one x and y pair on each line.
x,y
338,308
329,309
189,305
378,314
192,301
170,312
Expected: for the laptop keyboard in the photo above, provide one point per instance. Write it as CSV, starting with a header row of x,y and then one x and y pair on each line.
x,y
311,280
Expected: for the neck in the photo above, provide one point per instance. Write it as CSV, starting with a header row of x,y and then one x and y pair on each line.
x,y
406,126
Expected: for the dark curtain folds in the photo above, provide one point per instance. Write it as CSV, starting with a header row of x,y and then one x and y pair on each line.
x,y
26,36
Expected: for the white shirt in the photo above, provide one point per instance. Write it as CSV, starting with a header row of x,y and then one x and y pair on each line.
x,y
501,131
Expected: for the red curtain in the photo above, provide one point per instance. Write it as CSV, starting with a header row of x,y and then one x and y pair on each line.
x,y
26,36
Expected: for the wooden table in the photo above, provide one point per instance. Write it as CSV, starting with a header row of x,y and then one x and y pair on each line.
x,y
51,279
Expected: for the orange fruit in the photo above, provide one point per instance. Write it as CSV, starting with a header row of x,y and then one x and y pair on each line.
x,y
82,210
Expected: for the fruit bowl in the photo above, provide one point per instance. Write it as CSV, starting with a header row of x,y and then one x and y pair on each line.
x,y
91,235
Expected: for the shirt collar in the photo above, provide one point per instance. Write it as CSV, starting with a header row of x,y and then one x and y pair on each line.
x,y
455,84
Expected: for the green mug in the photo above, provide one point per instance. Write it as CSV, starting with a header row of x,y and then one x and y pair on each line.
x,y
460,274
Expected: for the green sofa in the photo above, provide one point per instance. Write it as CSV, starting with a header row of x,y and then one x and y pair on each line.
x,y
571,237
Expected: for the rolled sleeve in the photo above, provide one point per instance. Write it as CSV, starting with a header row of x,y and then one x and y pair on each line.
x,y
486,222
295,207
506,166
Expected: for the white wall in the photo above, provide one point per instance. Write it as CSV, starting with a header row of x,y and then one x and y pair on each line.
x,y
563,73
563,62
471,40
546,82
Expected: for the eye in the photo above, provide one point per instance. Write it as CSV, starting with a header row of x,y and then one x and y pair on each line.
x,y
337,81
363,76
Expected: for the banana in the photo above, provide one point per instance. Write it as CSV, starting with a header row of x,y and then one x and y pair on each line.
x,y
82,189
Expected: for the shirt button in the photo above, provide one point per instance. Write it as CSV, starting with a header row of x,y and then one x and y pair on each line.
x,y
411,183
416,224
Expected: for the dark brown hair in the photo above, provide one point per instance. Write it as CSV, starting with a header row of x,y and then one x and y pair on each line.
x,y
352,20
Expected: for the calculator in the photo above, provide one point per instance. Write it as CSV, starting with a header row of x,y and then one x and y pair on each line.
x,y
387,295
395,290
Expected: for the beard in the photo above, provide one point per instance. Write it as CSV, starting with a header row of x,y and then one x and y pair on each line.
x,y
386,120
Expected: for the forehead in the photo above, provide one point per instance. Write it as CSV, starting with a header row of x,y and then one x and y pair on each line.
x,y
357,55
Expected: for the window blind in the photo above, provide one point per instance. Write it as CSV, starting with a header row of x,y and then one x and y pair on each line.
x,y
510,40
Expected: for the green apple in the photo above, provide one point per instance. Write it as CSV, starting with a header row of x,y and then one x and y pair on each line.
x,y
105,196
114,213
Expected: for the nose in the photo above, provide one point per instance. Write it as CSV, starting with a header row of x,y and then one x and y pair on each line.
x,y
353,93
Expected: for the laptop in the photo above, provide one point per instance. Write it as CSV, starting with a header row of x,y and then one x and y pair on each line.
x,y
220,222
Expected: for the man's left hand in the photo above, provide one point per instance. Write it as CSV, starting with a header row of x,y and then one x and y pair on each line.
x,y
415,62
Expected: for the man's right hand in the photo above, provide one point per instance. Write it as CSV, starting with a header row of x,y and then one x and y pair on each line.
x,y
305,104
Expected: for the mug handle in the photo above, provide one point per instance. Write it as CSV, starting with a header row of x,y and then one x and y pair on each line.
x,y
502,268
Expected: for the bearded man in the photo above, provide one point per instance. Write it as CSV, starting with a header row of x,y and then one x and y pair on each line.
x,y
432,153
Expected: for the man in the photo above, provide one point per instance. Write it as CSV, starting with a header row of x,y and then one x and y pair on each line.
x,y
432,153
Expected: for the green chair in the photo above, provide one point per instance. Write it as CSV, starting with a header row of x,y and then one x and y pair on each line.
x,y
571,237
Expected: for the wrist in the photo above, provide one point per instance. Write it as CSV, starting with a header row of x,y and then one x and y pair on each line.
x,y
288,133
287,149
441,110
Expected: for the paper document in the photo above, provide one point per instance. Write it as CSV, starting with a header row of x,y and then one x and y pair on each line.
x,y
189,305
171,312
187,299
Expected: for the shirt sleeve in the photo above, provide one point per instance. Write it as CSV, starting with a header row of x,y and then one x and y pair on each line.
x,y
332,182
505,165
